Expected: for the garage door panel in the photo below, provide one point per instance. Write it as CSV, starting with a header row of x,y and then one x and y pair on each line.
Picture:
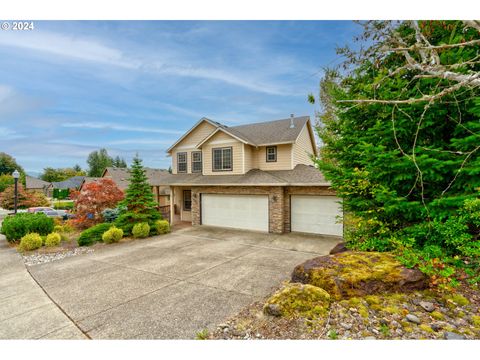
x,y
316,214
235,211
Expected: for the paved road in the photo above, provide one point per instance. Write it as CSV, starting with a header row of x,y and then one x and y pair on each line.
x,y
172,286
26,312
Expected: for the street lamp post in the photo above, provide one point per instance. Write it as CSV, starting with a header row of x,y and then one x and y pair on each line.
x,y
15,175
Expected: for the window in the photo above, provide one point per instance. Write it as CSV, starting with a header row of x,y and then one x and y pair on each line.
x,y
182,162
197,161
187,200
271,153
222,159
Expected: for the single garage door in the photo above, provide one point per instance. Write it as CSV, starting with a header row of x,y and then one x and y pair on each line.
x,y
248,212
316,214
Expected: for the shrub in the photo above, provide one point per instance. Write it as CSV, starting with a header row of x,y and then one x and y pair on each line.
x,y
112,235
127,220
30,241
15,227
110,215
141,230
26,198
58,228
53,239
93,199
92,235
162,226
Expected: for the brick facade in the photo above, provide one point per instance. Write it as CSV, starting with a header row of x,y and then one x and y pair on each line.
x,y
278,200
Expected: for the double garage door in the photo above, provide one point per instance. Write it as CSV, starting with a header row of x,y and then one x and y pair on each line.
x,y
309,214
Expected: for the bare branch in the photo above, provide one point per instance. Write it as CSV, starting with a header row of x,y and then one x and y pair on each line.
x,y
425,98
473,24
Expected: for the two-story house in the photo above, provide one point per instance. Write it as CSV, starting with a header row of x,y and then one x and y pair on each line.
x,y
256,177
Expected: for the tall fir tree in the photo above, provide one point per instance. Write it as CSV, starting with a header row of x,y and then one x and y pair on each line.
x,y
139,196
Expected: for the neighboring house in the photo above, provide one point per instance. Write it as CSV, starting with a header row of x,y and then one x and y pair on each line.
x,y
256,177
72,183
35,184
155,179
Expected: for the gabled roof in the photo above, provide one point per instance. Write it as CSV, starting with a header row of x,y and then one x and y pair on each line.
x,y
265,133
214,123
121,175
272,132
301,175
34,183
259,134
72,183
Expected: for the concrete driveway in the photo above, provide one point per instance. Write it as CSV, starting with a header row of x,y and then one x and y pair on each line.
x,y
175,285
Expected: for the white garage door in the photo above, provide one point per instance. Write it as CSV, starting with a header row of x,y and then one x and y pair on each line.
x,y
235,211
316,214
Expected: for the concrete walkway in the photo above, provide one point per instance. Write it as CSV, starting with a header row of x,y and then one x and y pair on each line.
x,y
26,312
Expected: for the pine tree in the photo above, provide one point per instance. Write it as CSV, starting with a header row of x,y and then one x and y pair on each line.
x,y
139,198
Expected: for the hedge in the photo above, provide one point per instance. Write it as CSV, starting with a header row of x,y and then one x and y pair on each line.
x,y
16,227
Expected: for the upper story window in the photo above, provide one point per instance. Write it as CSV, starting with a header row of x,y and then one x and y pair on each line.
x,y
222,159
271,153
197,161
182,162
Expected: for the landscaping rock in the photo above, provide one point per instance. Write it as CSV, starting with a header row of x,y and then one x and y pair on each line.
x,y
427,306
346,326
413,319
272,309
350,274
453,336
436,327
339,248
298,299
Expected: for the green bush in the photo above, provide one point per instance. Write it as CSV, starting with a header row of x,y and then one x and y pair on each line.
x,y
53,239
15,227
162,226
30,241
92,235
64,205
141,230
112,235
110,215
127,220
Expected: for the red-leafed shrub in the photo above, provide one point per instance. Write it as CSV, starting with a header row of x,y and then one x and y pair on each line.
x,y
93,199
26,198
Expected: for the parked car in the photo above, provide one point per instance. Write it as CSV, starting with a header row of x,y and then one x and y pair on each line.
x,y
64,214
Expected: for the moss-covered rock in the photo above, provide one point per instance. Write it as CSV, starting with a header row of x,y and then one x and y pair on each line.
x,y
351,274
298,300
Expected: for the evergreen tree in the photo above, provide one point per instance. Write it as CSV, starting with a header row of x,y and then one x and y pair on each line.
x,y
119,162
139,196
139,204
401,147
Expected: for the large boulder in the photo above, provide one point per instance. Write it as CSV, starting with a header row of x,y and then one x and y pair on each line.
x,y
298,300
350,274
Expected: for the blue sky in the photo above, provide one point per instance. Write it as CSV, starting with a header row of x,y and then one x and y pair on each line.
x,y
70,87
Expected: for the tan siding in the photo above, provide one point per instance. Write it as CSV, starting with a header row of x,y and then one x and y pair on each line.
x,y
219,140
303,148
189,143
248,157
284,158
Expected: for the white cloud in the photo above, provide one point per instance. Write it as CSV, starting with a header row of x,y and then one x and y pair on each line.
x,y
67,46
94,51
119,127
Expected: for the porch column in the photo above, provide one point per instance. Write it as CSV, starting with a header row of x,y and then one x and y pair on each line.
x,y
172,202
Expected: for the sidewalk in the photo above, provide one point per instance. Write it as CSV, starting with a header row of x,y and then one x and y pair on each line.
x,y
26,312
